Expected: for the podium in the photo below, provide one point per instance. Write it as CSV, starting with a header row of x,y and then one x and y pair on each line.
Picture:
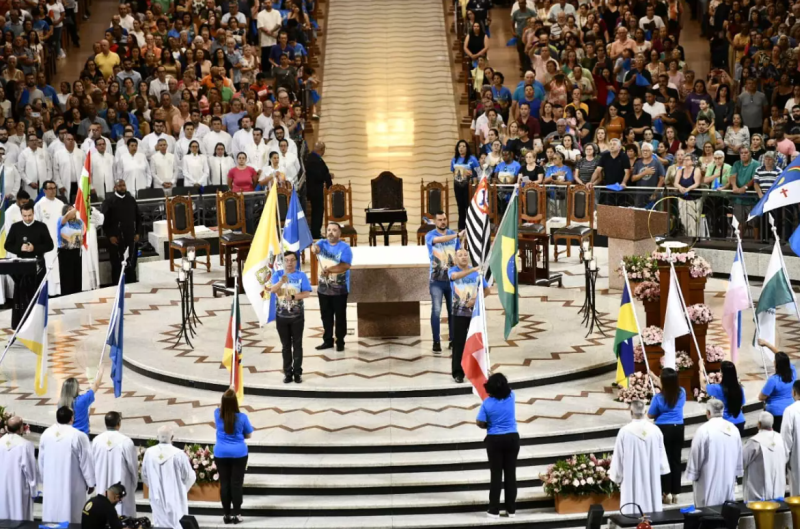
x,y
628,234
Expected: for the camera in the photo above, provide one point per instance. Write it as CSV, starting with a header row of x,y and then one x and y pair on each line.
x,y
135,523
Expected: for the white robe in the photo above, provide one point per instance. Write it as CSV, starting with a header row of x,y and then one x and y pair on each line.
x,y
213,138
257,155
182,149
54,147
117,461
67,471
67,167
265,124
168,473
218,168
195,170
103,173
49,211
34,168
12,152
164,168
90,258
12,178
150,141
790,433
200,130
637,464
19,478
715,462
291,167
135,170
764,462
122,148
240,141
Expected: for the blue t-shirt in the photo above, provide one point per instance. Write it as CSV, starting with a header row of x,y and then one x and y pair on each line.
x,y
464,289
286,307
502,95
538,91
663,413
500,415
81,407
331,255
231,122
507,172
715,390
459,165
232,445
779,393
442,255
552,171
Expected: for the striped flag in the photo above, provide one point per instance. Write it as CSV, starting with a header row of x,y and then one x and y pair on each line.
x,y
232,359
475,360
83,198
478,224
33,335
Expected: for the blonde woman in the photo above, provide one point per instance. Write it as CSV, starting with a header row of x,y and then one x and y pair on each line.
x,y
687,179
601,140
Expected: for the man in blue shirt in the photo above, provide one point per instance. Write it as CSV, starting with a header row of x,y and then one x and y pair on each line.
x,y
464,285
335,257
291,286
442,244
281,48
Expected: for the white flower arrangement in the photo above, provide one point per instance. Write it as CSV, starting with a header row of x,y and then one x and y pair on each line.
x,y
700,313
580,475
652,335
701,395
202,459
639,388
683,361
714,353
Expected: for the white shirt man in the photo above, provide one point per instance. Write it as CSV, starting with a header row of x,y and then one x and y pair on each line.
x,y
34,167
68,164
215,136
290,164
790,433
66,468
639,460
264,120
48,210
764,462
274,145
57,144
200,128
257,153
11,176
243,137
134,168
168,473
12,152
116,461
268,23
164,168
150,141
655,109
102,169
716,458
20,476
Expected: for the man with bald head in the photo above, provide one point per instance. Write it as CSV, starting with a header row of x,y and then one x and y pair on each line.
x,y
19,477
106,59
317,177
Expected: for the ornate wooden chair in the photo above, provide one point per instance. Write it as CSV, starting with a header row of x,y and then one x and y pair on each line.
x,y
180,221
387,193
532,210
284,199
580,209
339,208
433,197
231,222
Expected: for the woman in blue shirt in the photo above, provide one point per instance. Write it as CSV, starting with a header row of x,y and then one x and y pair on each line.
x,y
667,409
731,393
498,417
79,404
464,167
777,392
230,454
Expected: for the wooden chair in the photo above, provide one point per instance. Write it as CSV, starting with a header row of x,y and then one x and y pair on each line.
x,y
284,199
338,207
580,208
231,217
532,210
433,197
180,221
387,192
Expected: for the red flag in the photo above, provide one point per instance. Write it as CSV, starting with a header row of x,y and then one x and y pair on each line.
x,y
475,360
83,198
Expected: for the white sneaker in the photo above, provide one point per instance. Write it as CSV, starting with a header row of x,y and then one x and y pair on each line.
x,y
512,515
492,515
62,55
675,499
668,499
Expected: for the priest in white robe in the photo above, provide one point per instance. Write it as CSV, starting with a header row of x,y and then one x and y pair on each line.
x,y
67,166
715,460
102,169
243,137
217,135
116,461
66,468
150,141
12,152
764,462
639,460
790,433
20,477
48,210
168,473
164,168
134,168
90,257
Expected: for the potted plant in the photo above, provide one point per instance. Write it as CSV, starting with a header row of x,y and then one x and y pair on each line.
x,y
715,355
700,315
206,485
638,359
700,395
649,293
639,388
652,337
699,270
580,481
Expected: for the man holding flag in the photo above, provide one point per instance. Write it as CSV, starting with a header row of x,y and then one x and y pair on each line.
x,y
503,263
465,283
291,286
335,257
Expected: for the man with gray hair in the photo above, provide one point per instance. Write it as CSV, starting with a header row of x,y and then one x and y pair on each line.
x,y
647,172
764,463
639,460
168,473
715,460
19,477
790,433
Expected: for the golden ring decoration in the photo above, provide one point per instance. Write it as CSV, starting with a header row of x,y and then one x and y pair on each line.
x,y
675,249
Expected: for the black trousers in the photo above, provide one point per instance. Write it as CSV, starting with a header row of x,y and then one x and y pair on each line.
x,y
317,200
462,199
460,329
502,451
266,66
740,427
72,26
231,483
290,331
673,443
24,289
117,253
70,268
333,309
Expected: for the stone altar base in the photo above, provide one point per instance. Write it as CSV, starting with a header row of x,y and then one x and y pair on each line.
x,y
388,320
619,248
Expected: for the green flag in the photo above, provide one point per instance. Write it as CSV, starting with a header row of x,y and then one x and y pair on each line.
x,y
503,263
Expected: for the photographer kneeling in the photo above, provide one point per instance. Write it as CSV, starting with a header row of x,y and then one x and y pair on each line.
x,y
99,512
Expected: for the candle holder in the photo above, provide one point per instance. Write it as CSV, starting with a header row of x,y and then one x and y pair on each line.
x,y
186,328
590,317
585,258
191,254
187,266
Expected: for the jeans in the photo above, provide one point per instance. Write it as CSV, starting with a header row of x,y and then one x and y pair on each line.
x,y
57,40
438,290
673,443
462,199
333,308
231,483
459,338
502,451
290,331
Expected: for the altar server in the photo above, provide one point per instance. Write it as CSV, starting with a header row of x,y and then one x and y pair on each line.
x,y
257,154
66,468
790,433
116,461
150,141
34,166
168,473
11,175
639,460
217,135
134,168
764,463
195,166
19,478
67,166
164,168
102,169
243,137
219,164
48,210
716,458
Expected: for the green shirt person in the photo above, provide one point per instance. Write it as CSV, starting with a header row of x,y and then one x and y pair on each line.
x,y
741,177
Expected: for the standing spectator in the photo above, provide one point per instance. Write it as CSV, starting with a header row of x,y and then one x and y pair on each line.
x,y
70,238
335,257
291,286
731,394
667,410
777,392
318,177
464,280
520,19
753,106
741,180
498,417
464,167
121,225
106,60
230,454
79,403
442,244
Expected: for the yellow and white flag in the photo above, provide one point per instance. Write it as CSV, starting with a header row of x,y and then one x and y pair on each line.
x,y
33,335
263,259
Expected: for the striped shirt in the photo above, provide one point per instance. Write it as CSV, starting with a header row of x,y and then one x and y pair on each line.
x,y
765,178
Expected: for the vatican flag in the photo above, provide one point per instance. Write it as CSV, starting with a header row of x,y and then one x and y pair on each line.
x,y
262,260
503,263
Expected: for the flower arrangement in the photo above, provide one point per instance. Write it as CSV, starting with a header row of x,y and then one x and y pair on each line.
x,y
5,415
700,395
140,452
580,475
202,459
648,291
639,268
639,388
700,313
652,335
682,361
714,353
638,354
700,267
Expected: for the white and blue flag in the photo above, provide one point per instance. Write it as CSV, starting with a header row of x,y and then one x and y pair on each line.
x,y
784,192
296,233
115,338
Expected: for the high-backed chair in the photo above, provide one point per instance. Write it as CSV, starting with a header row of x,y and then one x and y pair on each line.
x,y
580,209
231,222
180,221
387,193
284,199
532,210
433,197
339,208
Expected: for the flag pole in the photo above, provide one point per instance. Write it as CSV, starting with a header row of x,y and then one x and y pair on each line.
x,y
686,317
489,228
638,331
235,359
783,266
113,311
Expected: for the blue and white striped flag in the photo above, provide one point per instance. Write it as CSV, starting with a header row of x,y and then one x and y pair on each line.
x,y
296,233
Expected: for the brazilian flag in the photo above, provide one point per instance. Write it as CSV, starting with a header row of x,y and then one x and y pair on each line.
x,y
503,263
623,340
